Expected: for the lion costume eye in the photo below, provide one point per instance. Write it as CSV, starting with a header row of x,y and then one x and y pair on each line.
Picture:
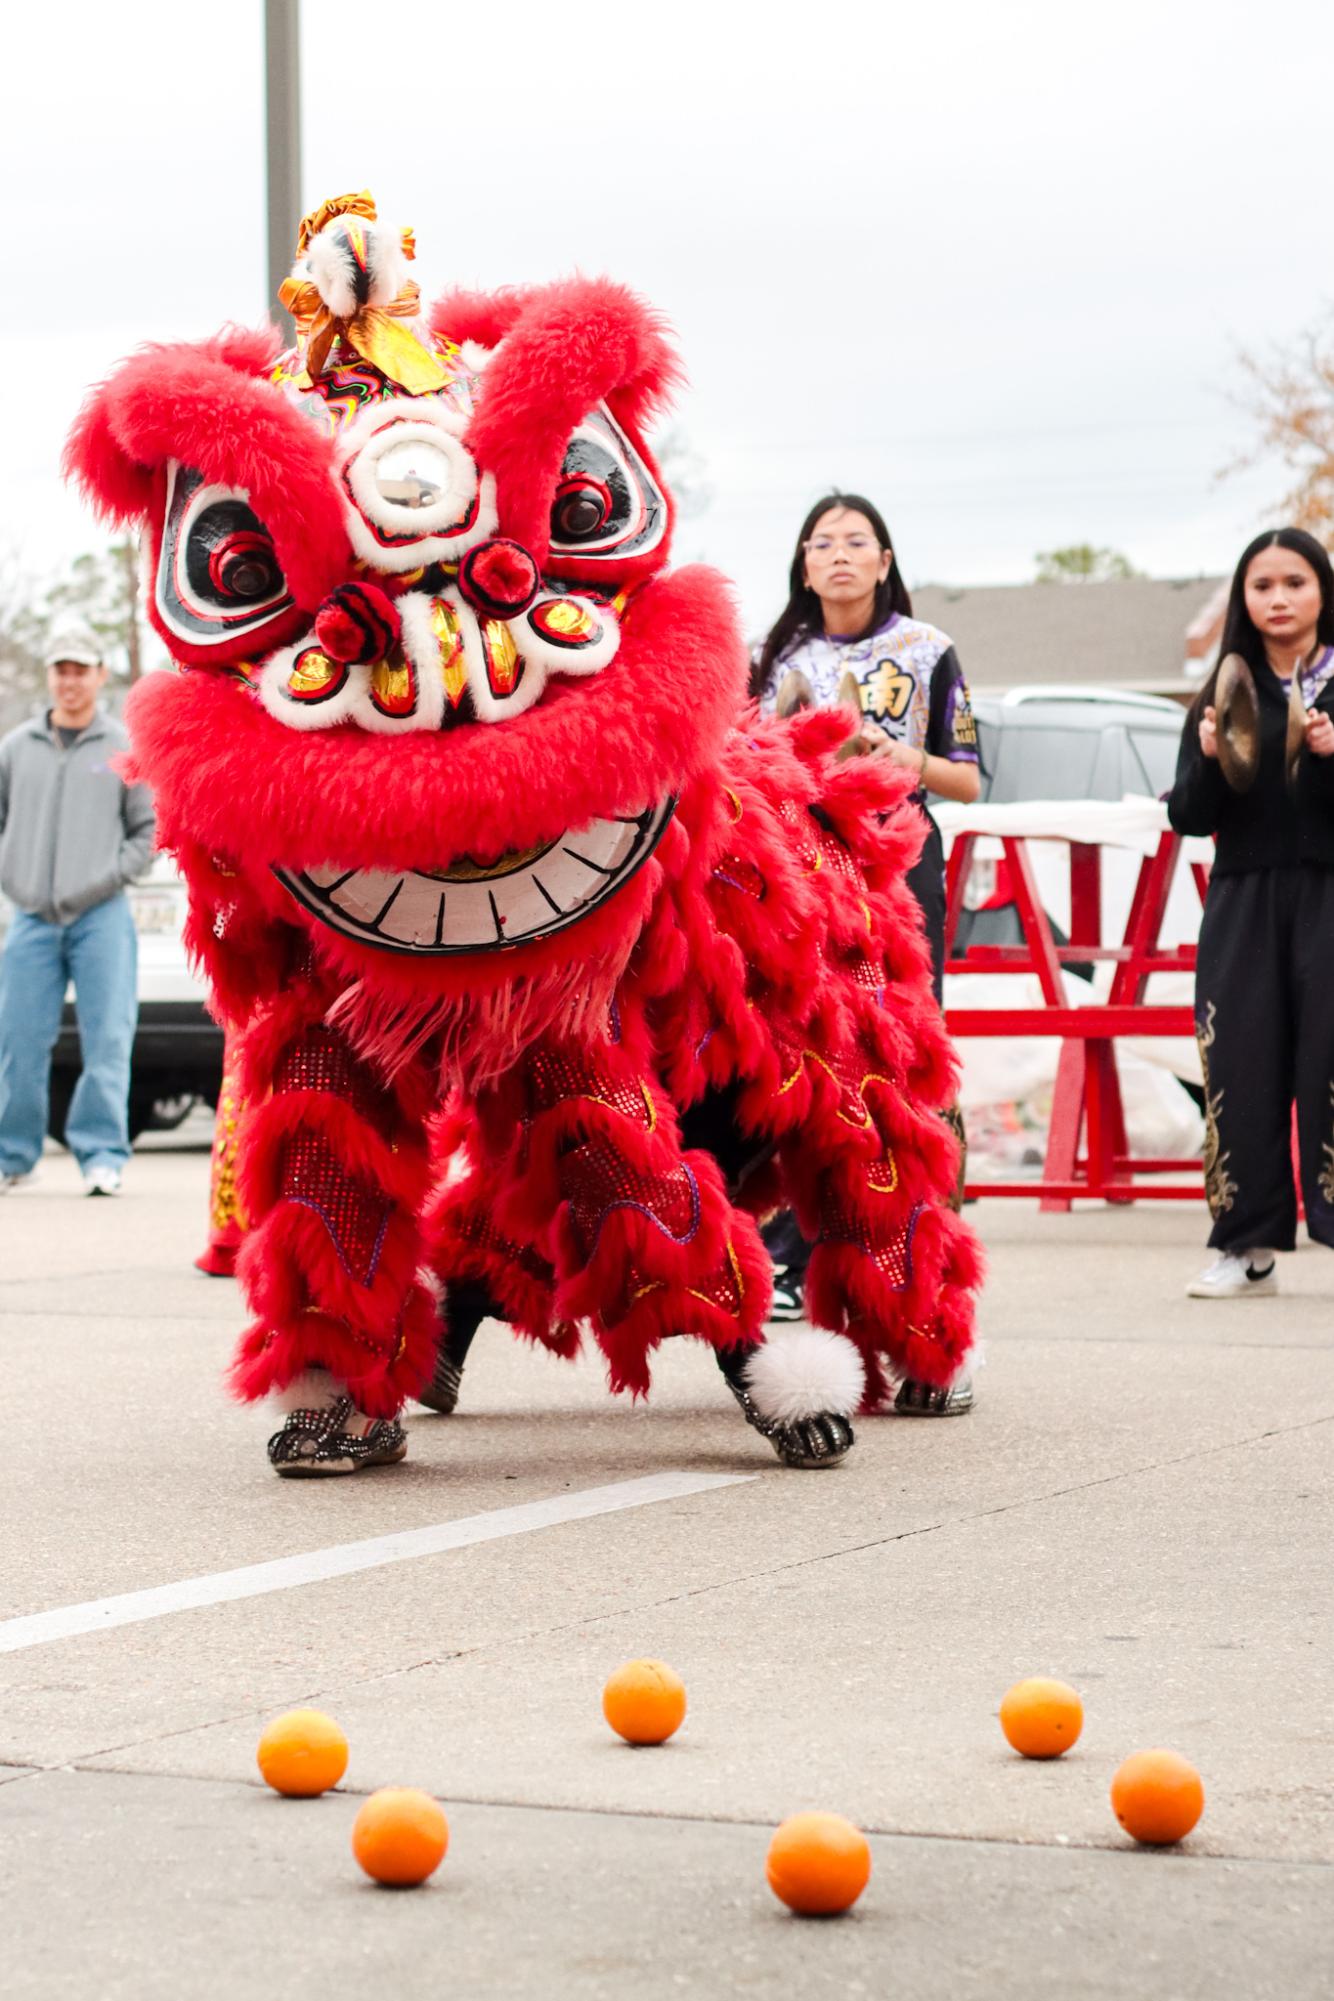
x,y
218,575
607,503
582,510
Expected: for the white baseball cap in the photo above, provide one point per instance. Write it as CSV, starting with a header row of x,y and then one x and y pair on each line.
x,y
74,643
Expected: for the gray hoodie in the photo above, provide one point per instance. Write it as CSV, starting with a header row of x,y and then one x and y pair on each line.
x,y
72,833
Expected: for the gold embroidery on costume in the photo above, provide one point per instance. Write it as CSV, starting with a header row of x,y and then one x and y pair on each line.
x,y
1326,1180
1219,1187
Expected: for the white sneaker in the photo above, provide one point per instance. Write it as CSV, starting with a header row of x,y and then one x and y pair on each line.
x,y
102,1181
1243,1275
8,1181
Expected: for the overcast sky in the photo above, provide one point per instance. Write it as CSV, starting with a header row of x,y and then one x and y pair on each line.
x,y
989,264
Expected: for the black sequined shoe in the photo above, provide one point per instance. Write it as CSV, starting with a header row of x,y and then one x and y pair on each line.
x,y
313,1443
806,1442
921,1400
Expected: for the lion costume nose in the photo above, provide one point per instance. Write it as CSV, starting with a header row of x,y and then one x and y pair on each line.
x,y
499,578
357,624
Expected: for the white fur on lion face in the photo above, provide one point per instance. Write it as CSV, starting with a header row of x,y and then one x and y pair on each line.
x,y
805,1372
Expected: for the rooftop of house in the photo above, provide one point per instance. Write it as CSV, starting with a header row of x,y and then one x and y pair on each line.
x,y
1142,633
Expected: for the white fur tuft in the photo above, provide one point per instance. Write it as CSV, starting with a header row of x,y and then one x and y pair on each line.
x,y
313,1389
331,266
807,1372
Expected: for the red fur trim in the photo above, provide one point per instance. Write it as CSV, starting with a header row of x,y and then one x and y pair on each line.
x,y
205,406
268,1357
484,317
218,1260
569,347
240,784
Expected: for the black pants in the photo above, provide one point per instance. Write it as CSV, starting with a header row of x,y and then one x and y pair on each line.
x,y
926,880
1264,1017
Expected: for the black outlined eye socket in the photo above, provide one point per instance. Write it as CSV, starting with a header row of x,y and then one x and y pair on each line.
x,y
218,575
607,503
582,510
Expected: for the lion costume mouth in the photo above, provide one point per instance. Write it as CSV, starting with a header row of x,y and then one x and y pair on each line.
x,y
482,907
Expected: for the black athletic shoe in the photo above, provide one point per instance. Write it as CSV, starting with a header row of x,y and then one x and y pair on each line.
x,y
789,1301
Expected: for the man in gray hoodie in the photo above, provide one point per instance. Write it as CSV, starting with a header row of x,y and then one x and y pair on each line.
x,y
72,834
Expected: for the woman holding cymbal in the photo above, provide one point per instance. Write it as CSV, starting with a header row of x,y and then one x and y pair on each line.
x,y
1256,769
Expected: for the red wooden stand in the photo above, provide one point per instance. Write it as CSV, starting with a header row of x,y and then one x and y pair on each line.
x,y
1086,1103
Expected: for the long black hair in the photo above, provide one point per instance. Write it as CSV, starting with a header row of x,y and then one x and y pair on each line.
x,y
1239,632
802,615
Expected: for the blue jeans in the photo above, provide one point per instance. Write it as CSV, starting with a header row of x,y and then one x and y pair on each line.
x,y
99,952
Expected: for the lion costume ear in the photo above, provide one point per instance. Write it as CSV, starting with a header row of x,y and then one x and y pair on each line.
x,y
558,351
209,406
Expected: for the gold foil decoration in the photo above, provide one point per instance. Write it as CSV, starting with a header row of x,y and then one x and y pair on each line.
x,y
392,686
448,637
502,656
314,673
567,618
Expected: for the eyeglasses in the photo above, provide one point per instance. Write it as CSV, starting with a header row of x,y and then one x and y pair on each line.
x,y
856,545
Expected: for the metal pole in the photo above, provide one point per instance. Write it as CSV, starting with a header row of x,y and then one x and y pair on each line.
x,y
282,94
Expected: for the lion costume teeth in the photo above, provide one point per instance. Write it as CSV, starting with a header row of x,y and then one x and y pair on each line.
x,y
556,991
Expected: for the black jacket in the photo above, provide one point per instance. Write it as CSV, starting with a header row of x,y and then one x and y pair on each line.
x,y
1269,826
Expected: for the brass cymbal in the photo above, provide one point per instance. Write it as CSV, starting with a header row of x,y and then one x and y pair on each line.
x,y
795,693
1237,716
1296,739
850,697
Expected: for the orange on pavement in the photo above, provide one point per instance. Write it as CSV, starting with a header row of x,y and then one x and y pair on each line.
x,y
1041,1718
400,1835
302,1753
818,1864
1157,1796
644,1702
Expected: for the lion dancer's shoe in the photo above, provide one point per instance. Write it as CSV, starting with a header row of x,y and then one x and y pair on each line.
x,y
799,1390
335,1170
324,1432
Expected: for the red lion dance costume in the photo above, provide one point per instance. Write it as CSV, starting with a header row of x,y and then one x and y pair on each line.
x,y
550,967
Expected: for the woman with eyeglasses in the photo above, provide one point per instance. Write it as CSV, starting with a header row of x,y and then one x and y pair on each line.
x,y
1256,771
849,613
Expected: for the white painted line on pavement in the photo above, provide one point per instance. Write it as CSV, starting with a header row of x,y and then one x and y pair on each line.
x,y
34,1629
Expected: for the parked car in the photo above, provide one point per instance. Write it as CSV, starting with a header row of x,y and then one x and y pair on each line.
x,y
1039,742
1076,743
177,1056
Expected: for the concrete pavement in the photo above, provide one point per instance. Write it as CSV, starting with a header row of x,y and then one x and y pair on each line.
x,y
1141,1503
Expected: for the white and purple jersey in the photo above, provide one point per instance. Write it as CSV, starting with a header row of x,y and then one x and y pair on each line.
x,y
911,683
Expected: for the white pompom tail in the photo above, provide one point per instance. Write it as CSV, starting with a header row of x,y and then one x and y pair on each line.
x,y
807,1372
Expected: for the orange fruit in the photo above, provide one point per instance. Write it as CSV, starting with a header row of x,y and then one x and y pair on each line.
x,y
818,1863
400,1835
644,1702
302,1753
1041,1718
1157,1796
